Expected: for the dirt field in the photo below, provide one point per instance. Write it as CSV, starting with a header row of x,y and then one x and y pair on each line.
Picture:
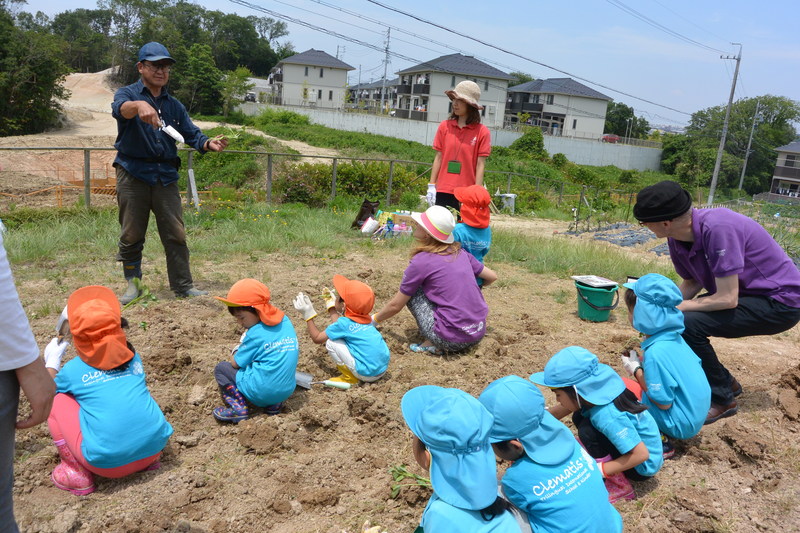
x,y
323,464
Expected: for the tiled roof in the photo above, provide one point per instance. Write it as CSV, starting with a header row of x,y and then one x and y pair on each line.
x,y
375,84
316,58
566,86
458,64
791,147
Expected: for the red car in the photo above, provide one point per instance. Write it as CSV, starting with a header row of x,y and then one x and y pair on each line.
x,y
610,138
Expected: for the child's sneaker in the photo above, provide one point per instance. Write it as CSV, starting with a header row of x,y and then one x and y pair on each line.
x,y
669,449
273,410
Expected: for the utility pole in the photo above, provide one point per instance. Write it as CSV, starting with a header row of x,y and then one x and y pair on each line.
x,y
385,68
749,142
717,164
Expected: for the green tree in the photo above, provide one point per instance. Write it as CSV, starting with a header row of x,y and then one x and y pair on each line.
x,y
775,127
200,81
87,38
518,78
235,85
31,79
621,121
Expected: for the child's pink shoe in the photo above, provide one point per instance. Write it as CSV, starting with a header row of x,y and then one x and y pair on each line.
x,y
70,475
618,486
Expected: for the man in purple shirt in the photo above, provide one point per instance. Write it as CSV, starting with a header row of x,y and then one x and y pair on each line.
x,y
752,286
149,122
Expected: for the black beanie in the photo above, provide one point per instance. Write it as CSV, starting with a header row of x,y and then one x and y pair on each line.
x,y
663,201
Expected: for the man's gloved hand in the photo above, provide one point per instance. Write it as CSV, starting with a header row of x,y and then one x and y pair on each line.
x,y
329,295
430,196
53,353
303,304
631,362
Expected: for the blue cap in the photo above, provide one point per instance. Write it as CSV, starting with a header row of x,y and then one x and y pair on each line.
x,y
154,52
518,410
577,367
657,298
454,427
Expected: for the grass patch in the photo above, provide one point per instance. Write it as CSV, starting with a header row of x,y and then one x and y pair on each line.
x,y
87,240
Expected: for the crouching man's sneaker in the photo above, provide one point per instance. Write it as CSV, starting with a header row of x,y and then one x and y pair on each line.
x,y
721,411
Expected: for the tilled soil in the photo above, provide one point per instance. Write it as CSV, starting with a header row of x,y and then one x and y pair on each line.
x,y
323,464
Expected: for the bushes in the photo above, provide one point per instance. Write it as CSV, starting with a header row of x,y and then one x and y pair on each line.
x,y
560,160
531,144
310,183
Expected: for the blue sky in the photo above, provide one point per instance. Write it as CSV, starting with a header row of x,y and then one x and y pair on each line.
x,y
592,39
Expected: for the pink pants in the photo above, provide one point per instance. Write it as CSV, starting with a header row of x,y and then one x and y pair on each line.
x,y
65,424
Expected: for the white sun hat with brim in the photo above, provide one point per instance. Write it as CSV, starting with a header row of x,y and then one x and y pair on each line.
x,y
438,221
518,410
454,427
468,91
577,367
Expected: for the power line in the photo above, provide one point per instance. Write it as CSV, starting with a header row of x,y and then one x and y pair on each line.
x,y
369,45
460,34
659,26
690,22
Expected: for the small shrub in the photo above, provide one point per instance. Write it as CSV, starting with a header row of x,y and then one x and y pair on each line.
x,y
560,160
531,144
628,177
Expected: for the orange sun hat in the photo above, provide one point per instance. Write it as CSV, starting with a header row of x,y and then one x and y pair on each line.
x,y
475,202
252,293
359,299
94,316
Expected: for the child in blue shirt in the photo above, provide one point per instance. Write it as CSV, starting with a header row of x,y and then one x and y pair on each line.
x,y
104,420
673,383
262,371
473,232
451,441
355,345
551,478
610,421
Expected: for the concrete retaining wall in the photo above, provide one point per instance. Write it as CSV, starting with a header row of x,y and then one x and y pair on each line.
x,y
584,152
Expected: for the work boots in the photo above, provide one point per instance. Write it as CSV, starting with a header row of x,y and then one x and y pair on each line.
x,y
133,275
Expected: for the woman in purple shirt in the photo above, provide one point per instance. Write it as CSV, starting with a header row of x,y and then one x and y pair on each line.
x,y
439,288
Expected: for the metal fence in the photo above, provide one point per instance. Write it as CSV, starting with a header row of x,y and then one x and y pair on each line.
x,y
95,175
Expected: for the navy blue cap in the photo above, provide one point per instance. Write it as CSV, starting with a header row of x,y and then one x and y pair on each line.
x,y
154,52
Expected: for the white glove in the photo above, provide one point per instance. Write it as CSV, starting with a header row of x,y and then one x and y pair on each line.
x,y
330,298
303,304
430,196
53,353
631,362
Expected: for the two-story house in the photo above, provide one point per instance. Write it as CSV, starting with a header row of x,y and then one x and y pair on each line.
x,y
786,178
420,92
312,78
560,106
371,95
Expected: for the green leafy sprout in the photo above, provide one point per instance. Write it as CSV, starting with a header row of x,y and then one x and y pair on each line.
x,y
400,475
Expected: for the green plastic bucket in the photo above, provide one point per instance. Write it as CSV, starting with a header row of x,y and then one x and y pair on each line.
x,y
596,303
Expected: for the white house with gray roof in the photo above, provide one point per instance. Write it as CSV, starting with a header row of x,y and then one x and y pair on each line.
x,y
312,78
786,177
560,106
420,93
